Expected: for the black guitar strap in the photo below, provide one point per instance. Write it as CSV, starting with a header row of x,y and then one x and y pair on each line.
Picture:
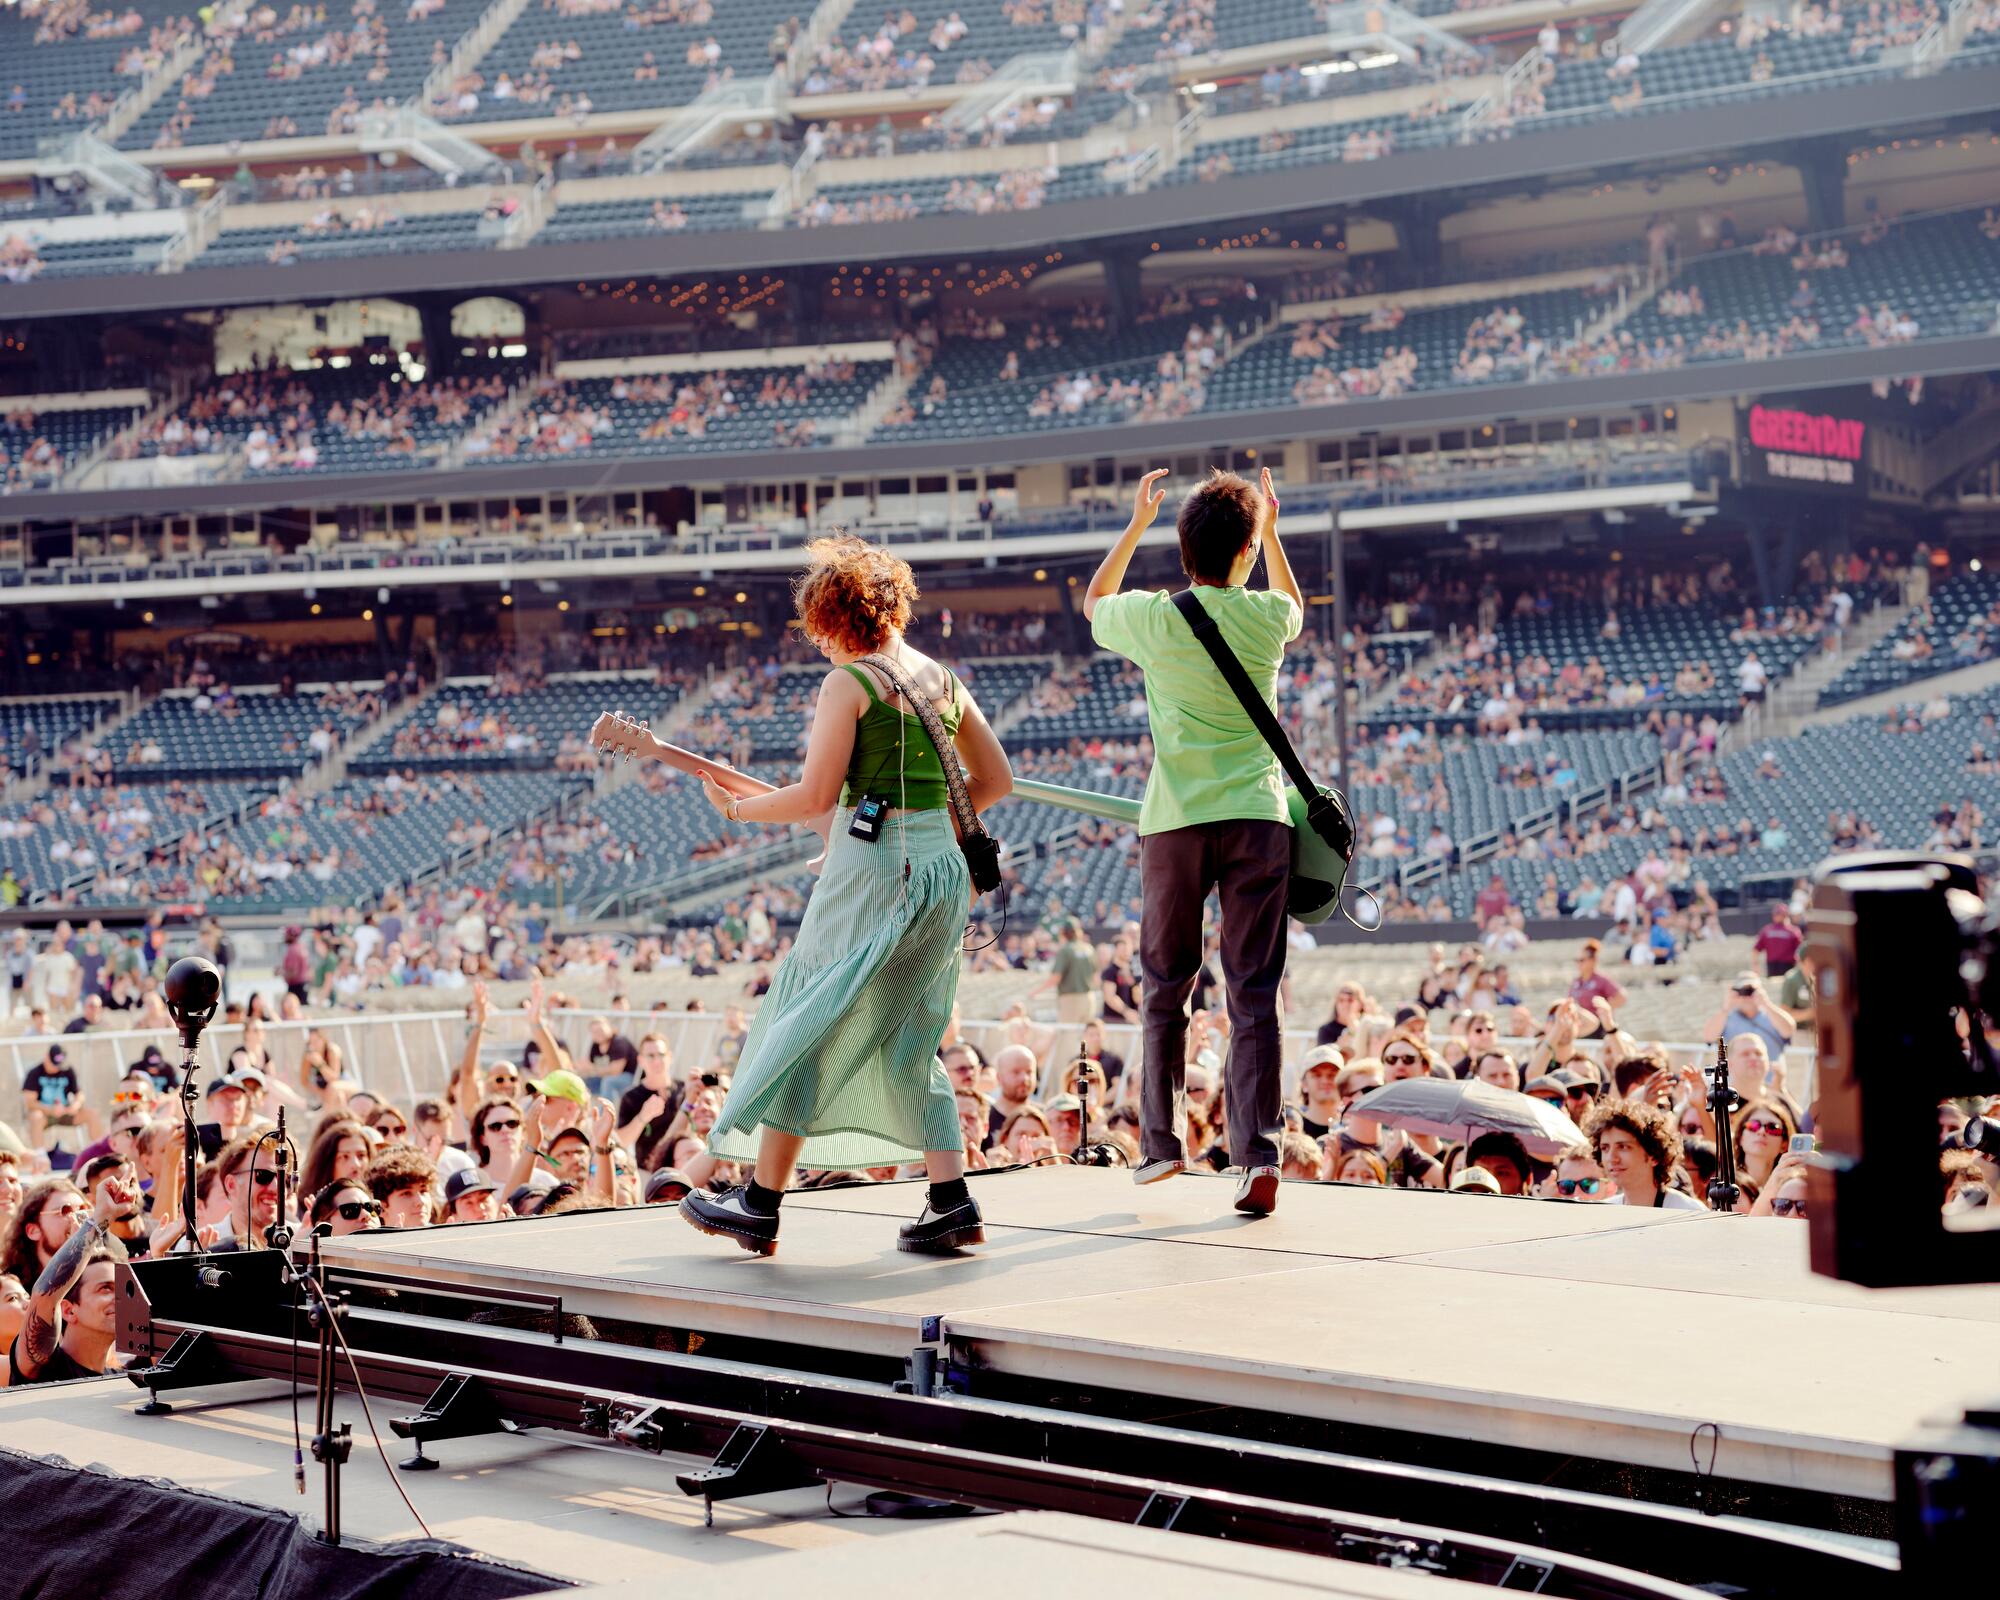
x,y
1325,809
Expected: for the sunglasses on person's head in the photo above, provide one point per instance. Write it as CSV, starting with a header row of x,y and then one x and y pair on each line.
x,y
1574,1185
501,1124
1761,1125
1785,1207
355,1210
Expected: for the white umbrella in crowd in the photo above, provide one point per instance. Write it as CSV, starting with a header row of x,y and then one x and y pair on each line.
x,y
1459,1108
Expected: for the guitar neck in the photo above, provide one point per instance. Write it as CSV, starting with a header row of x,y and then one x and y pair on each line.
x,y
1108,807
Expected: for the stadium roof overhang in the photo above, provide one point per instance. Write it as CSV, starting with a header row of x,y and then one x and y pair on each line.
x,y
1440,408
1611,144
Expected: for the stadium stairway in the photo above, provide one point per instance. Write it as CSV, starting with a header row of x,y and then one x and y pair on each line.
x,y
1791,704
135,103
334,768
518,399
888,394
31,784
471,48
1952,685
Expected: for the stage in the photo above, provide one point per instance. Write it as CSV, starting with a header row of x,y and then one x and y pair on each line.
x,y
1640,1338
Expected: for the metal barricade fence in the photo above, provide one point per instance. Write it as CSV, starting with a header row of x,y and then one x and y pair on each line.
x,y
407,1056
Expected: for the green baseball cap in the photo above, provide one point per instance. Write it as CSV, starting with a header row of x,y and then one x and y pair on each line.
x,y
562,1084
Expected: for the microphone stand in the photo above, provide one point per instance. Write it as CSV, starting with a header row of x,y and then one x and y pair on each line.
x,y
1087,1154
1723,1102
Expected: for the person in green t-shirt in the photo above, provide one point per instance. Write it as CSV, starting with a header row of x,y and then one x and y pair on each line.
x,y
1214,813
1073,975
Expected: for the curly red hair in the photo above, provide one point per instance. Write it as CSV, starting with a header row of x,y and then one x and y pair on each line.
x,y
853,595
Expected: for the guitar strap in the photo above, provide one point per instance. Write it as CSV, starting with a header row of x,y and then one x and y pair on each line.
x,y
1326,809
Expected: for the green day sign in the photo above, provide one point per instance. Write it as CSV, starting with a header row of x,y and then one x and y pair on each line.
x,y
1789,448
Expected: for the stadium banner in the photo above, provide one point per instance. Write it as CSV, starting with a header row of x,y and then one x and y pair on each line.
x,y
1805,446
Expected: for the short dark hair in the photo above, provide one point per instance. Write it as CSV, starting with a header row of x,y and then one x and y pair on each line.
x,y
1217,520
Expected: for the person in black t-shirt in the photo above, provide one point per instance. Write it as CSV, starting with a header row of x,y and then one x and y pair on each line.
x,y
71,1322
52,1094
1319,1090
612,1055
646,1110
1120,985
1350,1005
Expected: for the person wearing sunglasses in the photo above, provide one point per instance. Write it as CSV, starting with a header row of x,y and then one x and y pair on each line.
x,y
346,1206
248,1176
497,1140
1405,1058
1764,1130
1577,1177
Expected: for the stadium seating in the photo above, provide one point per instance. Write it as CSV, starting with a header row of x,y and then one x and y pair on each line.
x,y
55,723
92,258
407,235
1894,781
249,101
989,41
1959,626
647,416
258,735
72,433
1110,704
1703,67
835,202
77,66
613,44
468,726
587,220
1940,270
978,402
1655,642
68,836
386,837
1265,375
311,397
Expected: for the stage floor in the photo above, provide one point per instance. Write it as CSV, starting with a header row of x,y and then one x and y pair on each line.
x,y
1577,1329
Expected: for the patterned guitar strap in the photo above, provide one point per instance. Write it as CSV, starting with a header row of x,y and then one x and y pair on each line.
x,y
947,753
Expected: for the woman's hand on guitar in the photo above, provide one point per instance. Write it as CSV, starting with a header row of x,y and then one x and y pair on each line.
x,y
718,796
823,826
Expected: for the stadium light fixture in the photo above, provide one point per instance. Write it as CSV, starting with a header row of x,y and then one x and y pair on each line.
x,y
1974,564
1202,88
1382,58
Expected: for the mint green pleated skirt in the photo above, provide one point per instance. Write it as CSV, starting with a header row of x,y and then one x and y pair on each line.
x,y
844,1048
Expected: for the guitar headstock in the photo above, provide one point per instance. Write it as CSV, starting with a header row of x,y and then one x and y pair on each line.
x,y
619,735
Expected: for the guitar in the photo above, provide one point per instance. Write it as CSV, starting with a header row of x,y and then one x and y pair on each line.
x,y
1318,870
627,739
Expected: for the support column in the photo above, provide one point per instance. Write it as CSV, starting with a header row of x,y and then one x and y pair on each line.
x,y
1822,166
1121,287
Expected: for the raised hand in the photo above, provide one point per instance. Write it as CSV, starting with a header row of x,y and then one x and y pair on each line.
x,y
482,1003
1146,499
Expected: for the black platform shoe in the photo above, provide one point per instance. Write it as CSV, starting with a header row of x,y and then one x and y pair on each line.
x,y
729,1216
939,1233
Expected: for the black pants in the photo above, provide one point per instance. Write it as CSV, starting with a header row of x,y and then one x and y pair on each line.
x,y
1249,864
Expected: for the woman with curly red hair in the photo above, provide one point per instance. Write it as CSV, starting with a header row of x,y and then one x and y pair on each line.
x,y
840,1069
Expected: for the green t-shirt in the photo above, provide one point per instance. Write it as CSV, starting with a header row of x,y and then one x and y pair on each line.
x,y
1795,992
1076,969
1209,762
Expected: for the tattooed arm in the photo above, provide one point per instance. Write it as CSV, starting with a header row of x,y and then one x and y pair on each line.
x,y
41,1332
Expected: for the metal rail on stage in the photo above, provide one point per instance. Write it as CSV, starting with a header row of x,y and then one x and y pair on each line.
x,y
767,1429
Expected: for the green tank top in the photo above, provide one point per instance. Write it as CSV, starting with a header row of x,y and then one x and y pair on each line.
x,y
884,733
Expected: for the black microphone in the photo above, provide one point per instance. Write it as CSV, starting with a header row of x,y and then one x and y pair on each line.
x,y
193,989
211,1277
